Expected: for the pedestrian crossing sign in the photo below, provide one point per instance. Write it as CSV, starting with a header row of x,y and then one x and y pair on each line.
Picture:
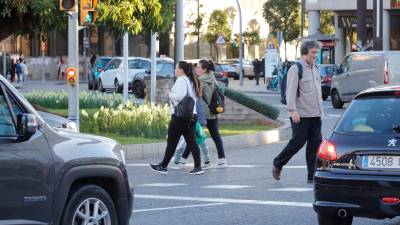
x,y
220,40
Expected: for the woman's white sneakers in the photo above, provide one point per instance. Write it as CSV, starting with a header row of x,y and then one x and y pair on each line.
x,y
222,163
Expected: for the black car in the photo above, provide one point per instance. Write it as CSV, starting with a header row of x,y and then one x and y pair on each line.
x,y
358,165
326,72
164,69
222,72
54,176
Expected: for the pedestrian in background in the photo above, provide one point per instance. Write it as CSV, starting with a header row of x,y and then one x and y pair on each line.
x,y
185,84
208,84
61,68
24,70
304,104
12,70
18,69
256,69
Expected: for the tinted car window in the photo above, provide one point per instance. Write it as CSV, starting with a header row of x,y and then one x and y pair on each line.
x,y
7,126
375,115
218,68
144,64
133,64
345,66
101,63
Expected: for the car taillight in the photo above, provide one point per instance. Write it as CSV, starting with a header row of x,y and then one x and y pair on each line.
x,y
327,151
327,79
390,200
386,72
224,74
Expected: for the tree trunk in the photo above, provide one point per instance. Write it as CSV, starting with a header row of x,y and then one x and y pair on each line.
x,y
285,52
147,40
297,46
164,43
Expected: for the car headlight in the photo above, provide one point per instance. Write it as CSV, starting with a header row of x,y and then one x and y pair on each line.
x,y
123,156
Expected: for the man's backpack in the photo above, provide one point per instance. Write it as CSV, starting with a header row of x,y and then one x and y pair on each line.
x,y
217,102
284,82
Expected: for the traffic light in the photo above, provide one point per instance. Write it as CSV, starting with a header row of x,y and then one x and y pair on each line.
x,y
71,76
68,5
87,12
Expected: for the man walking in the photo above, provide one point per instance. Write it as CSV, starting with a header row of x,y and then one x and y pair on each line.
x,y
304,104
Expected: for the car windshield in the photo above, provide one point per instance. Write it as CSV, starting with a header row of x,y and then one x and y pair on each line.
x,y
228,67
374,115
103,63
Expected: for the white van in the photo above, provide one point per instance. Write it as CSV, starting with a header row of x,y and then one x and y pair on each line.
x,y
361,70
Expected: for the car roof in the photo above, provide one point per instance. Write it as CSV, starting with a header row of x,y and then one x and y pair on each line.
x,y
379,90
131,58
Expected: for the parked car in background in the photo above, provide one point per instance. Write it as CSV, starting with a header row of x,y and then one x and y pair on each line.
x,y
94,72
248,68
113,78
230,70
358,165
221,74
55,176
58,121
362,70
164,69
326,71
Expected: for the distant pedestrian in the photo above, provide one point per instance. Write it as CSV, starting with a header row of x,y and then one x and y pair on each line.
x,y
304,104
185,84
208,84
12,70
61,68
24,71
18,69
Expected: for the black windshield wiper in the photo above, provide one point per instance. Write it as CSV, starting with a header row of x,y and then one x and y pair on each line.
x,y
396,128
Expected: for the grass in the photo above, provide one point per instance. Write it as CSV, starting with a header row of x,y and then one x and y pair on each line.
x,y
225,129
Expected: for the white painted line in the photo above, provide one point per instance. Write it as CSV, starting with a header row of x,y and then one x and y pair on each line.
x,y
191,164
292,189
227,186
333,115
295,167
245,166
162,185
226,200
138,164
177,207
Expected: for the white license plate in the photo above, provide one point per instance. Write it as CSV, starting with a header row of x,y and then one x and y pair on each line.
x,y
381,162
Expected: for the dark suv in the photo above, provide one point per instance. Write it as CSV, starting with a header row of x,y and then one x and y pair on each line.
x,y
50,176
358,165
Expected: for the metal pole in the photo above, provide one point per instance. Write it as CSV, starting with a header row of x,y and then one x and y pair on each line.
x,y
153,67
241,44
43,59
179,30
84,52
3,50
126,69
73,61
303,7
198,31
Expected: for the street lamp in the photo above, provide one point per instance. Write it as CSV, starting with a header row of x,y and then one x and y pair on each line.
x,y
241,43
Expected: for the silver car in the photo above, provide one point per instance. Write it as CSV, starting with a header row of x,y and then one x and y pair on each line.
x,y
362,70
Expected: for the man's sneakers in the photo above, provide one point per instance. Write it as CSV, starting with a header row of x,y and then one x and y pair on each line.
x,y
207,165
158,168
276,173
196,171
222,163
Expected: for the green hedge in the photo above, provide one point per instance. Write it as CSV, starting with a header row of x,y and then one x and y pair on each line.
x,y
252,103
59,99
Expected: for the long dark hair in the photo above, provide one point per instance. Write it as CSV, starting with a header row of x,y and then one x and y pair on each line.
x,y
207,65
188,70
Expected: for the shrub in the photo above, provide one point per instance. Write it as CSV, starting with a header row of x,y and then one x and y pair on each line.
x,y
146,120
252,103
59,99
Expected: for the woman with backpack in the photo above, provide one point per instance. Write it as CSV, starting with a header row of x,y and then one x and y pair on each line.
x,y
185,85
208,83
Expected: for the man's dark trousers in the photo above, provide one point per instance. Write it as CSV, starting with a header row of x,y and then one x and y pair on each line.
x,y
308,130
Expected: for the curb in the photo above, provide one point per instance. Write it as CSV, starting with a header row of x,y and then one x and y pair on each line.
x,y
157,150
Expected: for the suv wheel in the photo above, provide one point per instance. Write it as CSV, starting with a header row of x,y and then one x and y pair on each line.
x,y
138,90
101,88
336,101
90,204
324,219
117,87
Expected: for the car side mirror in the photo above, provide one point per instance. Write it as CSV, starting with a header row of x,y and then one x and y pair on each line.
x,y
27,126
147,71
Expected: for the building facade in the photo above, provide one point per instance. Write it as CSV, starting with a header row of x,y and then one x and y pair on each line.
x,y
379,29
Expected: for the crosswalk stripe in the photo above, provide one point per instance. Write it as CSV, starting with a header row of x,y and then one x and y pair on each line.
x,y
227,186
162,185
292,189
225,200
177,207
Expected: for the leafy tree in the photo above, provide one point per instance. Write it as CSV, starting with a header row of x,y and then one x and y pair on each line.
x,y
195,26
282,16
218,25
327,22
252,35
